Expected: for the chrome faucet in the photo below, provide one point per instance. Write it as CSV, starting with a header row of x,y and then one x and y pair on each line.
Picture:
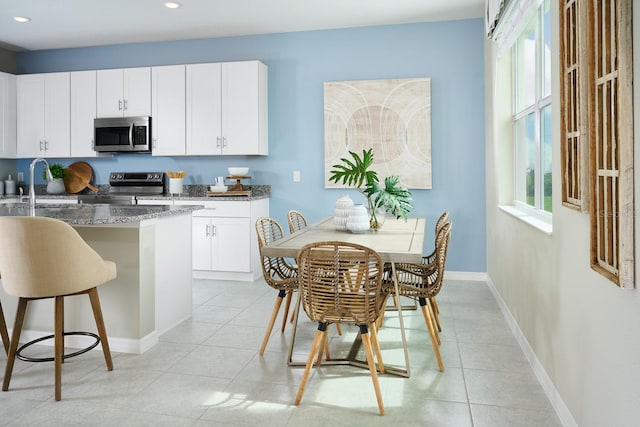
x,y
32,191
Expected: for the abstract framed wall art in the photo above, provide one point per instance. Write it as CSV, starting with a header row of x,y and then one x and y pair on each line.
x,y
392,116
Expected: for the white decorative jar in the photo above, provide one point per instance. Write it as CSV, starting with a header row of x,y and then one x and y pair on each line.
x,y
56,186
358,221
341,214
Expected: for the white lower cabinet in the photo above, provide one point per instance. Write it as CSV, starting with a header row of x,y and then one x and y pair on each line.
x,y
220,243
225,244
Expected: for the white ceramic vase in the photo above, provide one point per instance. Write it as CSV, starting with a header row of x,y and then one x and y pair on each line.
x,y
358,221
56,186
341,213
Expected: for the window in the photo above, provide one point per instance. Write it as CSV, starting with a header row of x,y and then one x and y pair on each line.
x,y
532,114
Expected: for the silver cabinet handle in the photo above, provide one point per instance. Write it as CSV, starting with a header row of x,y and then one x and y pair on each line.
x,y
218,142
46,145
40,145
213,230
207,232
119,104
224,141
126,106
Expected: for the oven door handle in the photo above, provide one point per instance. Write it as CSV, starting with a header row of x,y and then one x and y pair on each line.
x,y
131,136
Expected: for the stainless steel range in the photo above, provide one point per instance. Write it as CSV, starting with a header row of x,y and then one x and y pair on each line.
x,y
125,186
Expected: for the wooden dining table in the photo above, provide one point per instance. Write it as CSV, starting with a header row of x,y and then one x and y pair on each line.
x,y
398,241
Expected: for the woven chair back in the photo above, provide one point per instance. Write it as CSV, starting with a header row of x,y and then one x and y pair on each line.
x,y
442,220
340,282
277,272
425,280
297,221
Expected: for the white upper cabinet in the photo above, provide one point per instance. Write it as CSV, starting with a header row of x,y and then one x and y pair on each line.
x,y
204,101
124,92
83,112
8,120
168,100
227,109
43,115
244,108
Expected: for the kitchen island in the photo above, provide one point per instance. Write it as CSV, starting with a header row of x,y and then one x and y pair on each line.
x,y
151,246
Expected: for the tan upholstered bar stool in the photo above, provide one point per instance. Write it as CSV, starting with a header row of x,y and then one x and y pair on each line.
x,y
3,331
46,258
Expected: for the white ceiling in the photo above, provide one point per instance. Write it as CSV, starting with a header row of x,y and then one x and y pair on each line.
x,y
77,23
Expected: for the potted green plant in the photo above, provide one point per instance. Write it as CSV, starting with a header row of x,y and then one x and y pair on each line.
x,y
56,185
57,171
389,195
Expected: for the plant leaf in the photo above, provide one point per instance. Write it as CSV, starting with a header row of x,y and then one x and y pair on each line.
x,y
354,173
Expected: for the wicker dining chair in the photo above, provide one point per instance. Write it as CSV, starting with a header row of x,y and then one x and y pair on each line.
x,y
341,282
277,272
296,220
3,331
435,310
422,282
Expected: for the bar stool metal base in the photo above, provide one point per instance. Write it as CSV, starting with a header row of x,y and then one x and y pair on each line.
x,y
51,359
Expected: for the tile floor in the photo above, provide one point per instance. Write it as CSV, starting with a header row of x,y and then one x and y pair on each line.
x,y
207,372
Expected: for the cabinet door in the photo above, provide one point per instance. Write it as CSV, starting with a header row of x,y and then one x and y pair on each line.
x,y
110,86
231,240
244,105
83,112
137,91
201,253
30,115
204,130
168,110
57,115
8,119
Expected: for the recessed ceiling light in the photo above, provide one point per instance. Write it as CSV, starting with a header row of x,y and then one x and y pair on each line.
x,y
21,19
172,5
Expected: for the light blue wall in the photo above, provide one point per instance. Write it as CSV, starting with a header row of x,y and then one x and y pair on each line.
x,y
450,53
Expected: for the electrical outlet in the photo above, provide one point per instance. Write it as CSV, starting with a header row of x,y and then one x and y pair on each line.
x,y
296,176
20,176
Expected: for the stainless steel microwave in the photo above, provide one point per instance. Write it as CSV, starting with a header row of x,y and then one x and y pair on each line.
x,y
122,134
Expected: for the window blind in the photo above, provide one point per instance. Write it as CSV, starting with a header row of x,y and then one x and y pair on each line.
x,y
507,18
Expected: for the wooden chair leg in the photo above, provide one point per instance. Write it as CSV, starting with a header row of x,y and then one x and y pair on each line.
x,y
339,329
376,346
13,344
58,344
317,342
272,320
286,310
436,312
372,368
102,331
325,350
3,331
432,334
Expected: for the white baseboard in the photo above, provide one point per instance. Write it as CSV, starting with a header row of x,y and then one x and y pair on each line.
x,y
116,345
476,276
565,416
